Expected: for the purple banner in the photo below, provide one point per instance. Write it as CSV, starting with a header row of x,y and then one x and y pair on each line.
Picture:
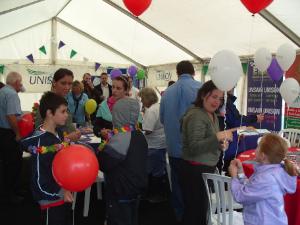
x,y
264,97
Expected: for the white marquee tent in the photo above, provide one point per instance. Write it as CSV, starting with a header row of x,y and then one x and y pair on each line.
x,y
168,31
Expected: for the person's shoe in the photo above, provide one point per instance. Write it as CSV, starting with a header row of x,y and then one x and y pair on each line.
x,y
157,199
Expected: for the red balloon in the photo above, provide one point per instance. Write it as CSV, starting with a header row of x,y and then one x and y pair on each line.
x,y
26,124
75,168
137,7
255,6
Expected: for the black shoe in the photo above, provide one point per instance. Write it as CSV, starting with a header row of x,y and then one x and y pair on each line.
x,y
157,199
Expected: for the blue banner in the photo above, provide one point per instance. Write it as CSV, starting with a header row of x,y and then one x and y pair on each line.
x,y
264,97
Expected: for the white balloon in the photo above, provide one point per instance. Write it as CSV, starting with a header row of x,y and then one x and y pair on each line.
x,y
262,59
285,56
225,69
289,90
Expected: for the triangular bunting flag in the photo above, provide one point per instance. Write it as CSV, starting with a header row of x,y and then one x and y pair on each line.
x,y
61,44
204,69
245,67
1,69
30,57
43,49
72,54
97,65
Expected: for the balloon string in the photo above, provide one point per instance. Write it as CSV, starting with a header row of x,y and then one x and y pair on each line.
x,y
133,37
251,34
238,140
225,127
73,214
47,219
287,116
274,116
261,94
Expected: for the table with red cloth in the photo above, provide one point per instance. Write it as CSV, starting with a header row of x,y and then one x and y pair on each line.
x,y
291,201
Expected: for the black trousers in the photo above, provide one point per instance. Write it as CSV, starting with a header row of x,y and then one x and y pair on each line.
x,y
58,215
11,162
122,212
194,193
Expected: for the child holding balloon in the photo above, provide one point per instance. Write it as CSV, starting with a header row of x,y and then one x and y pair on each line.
x,y
43,145
274,176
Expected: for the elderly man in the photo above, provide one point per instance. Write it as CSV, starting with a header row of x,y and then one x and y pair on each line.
x,y
10,153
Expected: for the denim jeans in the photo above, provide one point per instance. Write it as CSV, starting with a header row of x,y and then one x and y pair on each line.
x,y
156,162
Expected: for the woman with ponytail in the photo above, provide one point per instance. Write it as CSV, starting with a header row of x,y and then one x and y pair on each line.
x,y
274,176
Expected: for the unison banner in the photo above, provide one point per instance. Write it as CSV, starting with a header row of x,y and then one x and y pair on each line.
x,y
264,97
38,79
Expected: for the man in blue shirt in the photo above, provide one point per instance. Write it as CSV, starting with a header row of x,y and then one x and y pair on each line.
x,y
10,153
175,101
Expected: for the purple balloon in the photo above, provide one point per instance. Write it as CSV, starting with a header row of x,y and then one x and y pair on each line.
x,y
274,70
115,73
132,70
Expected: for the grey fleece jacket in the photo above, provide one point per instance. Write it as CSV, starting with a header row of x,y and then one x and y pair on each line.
x,y
199,140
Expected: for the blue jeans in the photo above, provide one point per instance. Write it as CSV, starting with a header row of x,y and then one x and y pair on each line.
x,y
156,162
177,199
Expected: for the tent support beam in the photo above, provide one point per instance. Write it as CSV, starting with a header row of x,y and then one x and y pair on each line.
x,y
20,7
100,42
167,38
26,28
53,44
62,8
280,26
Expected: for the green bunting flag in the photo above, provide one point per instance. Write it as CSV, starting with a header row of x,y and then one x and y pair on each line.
x,y
245,67
43,49
204,69
1,69
73,53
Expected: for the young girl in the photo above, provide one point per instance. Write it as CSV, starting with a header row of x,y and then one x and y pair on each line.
x,y
262,194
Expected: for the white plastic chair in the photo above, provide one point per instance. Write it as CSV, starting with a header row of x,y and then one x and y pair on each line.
x,y
221,201
293,135
87,194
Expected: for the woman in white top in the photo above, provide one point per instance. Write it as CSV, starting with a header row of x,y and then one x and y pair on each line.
x,y
155,135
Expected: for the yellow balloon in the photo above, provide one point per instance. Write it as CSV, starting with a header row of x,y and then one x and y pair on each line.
x,y
90,106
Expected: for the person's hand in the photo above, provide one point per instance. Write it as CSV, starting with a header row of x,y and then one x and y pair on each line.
x,y
224,145
233,168
74,136
260,117
18,137
104,133
224,135
68,196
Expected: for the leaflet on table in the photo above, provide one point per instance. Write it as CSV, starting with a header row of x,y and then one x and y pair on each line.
x,y
249,132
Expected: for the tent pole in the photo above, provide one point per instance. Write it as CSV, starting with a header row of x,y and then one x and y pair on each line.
x,y
53,43
280,26
20,7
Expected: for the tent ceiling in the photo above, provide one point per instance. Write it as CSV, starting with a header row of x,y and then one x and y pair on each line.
x,y
188,29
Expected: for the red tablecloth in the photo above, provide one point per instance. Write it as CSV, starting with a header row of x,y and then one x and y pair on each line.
x,y
292,202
